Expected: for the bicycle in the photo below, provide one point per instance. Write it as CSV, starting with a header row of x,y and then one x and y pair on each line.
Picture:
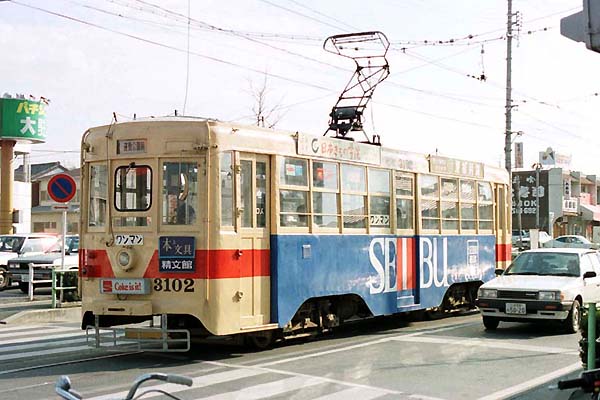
x,y
63,386
588,382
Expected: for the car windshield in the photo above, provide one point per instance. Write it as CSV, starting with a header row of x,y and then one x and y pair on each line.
x,y
11,243
557,264
72,245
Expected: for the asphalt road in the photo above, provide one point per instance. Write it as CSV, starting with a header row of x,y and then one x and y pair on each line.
x,y
391,358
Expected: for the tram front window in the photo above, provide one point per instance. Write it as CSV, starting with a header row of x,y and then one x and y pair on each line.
x,y
180,193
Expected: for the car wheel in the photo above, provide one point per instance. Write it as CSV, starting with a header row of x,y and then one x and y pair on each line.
x,y
3,279
491,323
571,323
24,287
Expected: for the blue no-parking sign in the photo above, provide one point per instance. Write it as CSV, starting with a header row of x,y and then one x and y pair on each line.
x,y
61,188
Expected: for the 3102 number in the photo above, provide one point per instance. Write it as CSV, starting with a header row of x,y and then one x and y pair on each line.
x,y
173,285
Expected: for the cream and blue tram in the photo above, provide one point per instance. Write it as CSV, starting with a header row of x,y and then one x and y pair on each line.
x,y
227,229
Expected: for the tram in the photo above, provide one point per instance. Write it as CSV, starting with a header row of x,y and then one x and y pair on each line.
x,y
225,229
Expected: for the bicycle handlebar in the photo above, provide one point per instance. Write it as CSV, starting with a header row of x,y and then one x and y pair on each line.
x,y
63,384
570,383
589,381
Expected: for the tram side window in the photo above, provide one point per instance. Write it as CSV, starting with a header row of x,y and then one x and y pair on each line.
x,y
293,197
379,198
430,204
485,205
404,202
261,194
354,196
180,193
98,194
467,205
226,177
325,194
449,205
133,188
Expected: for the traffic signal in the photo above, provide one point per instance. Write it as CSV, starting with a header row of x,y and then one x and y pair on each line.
x,y
584,26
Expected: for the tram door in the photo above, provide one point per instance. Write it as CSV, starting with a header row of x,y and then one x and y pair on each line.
x,y
253,222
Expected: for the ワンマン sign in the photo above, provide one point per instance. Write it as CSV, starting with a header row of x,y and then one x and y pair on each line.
x,y
22,120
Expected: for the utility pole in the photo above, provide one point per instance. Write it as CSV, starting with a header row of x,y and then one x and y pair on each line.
x,y
508,131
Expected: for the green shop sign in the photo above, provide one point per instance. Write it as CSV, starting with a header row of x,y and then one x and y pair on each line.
x,y
23,120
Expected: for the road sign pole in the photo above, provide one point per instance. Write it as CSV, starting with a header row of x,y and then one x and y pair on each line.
x,y
55,276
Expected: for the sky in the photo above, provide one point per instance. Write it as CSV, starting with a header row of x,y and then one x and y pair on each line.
x,y
93,58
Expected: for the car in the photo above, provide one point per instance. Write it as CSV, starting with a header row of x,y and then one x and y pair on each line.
x,y
22,244
18,268
573,241
543,238
542,284
520,239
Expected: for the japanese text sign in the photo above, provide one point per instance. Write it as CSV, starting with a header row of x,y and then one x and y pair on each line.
x,y
23,120
177,254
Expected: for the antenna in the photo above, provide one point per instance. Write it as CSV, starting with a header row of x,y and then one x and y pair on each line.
x,y
368,50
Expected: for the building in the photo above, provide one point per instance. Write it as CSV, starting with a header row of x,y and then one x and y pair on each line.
x,y
556,200
43,217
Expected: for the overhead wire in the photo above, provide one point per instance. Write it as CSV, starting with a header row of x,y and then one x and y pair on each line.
x,y
231,63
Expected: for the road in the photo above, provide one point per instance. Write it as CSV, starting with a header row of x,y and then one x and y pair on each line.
x,y
391,358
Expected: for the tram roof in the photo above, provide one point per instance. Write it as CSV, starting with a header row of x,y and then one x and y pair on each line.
x,y
390,156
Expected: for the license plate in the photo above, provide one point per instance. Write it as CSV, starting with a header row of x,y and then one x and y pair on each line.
x,y
129,240
516,308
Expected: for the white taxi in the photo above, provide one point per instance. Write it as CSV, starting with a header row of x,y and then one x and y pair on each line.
x,y
542,284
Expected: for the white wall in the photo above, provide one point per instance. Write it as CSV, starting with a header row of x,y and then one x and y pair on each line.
x,y
22,202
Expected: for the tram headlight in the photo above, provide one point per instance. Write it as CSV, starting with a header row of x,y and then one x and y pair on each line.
x,y
125,259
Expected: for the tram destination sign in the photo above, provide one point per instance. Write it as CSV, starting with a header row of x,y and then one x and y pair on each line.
x,y
22,120
338,149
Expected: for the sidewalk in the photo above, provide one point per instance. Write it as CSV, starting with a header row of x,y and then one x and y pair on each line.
x,y
38,311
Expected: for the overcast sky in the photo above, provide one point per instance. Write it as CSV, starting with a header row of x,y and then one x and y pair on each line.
x,y
96,57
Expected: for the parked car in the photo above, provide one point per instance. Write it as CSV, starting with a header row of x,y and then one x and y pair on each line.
x,y
18,268
520,240
525,238
23,244
574,241
542,284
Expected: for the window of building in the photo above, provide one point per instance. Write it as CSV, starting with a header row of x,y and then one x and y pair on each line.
x,y
354,196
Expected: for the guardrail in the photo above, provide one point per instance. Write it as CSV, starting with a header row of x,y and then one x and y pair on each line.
x,y
56,281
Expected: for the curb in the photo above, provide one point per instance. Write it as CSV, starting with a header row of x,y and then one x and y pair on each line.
x,y
70,314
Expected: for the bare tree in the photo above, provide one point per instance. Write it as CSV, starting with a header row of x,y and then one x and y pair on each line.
x,y
264,114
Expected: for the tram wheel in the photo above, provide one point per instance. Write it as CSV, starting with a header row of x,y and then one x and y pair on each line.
x,y
261,340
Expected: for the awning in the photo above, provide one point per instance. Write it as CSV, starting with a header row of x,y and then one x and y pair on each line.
x,y
589,212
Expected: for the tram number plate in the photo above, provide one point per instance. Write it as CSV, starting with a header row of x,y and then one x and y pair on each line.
x,y
129,240
516,308
173,285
